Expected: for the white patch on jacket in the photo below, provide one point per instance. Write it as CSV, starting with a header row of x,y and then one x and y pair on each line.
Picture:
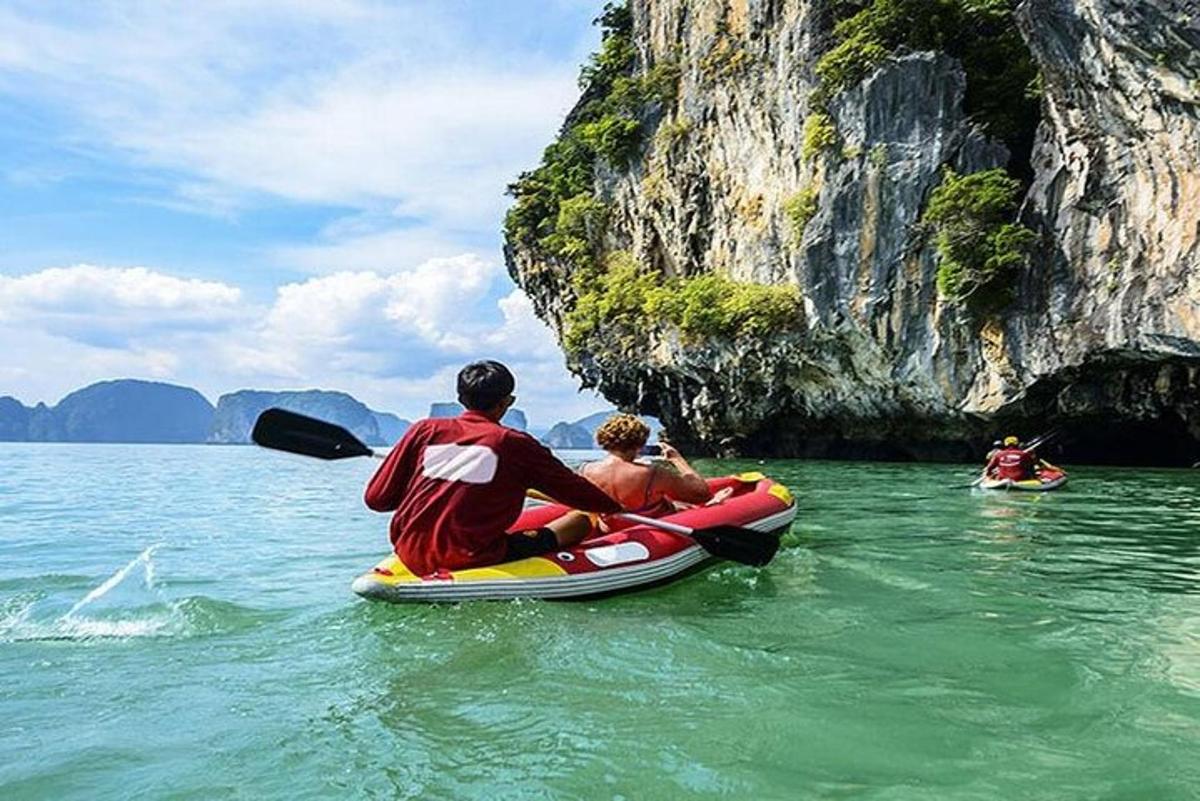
x,y
471,464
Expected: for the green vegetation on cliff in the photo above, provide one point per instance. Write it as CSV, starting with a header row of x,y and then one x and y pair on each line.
x,y
799,209
626,298
578,227
819,134
979,246
558,214
607,125
981,33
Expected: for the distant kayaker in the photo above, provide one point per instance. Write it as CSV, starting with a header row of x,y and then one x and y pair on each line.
x,y
457,484
647,489
1011,462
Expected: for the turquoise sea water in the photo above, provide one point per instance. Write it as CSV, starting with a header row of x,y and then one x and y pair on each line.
x,y
176,622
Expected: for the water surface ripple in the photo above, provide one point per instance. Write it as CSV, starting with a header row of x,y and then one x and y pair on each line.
x,y
176,622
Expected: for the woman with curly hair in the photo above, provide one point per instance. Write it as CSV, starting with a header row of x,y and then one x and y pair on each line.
x,y
648,489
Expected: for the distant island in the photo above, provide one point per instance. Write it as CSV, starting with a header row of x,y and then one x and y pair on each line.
x,y
513,418
130,410
236,412
112,411
135,411
581,434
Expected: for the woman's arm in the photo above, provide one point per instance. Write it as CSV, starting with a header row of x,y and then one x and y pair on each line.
x,y
682,483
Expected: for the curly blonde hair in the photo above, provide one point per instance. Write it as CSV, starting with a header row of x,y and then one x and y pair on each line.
x,y
622,432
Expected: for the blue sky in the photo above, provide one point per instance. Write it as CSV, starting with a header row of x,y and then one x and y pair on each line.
x,y
276,194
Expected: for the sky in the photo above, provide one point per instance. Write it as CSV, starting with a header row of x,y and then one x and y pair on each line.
x,y
276,193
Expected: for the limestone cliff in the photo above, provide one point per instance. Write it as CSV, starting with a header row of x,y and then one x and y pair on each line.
x,y
755,166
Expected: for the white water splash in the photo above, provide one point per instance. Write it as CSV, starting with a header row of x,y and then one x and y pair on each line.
x,y
15,619
84,629
143,559
21,625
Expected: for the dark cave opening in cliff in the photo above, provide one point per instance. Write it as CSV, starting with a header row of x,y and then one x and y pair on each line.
x,y
1115,410
1163,442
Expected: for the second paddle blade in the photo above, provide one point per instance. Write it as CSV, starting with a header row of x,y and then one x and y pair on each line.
x,y
282,430
736,544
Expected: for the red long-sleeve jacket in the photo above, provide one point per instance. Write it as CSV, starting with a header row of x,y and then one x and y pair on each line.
x,y
457,484
1012,463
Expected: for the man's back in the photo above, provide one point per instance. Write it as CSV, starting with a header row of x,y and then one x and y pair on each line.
x,y
457,484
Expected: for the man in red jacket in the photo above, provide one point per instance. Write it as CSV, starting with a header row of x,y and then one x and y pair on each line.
x,y
1011,462
457,484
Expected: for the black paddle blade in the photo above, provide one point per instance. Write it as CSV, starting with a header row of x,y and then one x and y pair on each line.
x,y
745,545
282,430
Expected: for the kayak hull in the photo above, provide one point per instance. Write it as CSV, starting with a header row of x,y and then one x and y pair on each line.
x,y
1045,481
633,558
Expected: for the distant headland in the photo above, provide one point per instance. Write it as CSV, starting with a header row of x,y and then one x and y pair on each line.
x,y
136,411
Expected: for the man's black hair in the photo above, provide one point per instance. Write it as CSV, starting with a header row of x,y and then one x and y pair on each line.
x,y
483,385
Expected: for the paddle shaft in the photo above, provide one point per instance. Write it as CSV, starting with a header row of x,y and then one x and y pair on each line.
x,y
630,516
663,524
675,528
1040,441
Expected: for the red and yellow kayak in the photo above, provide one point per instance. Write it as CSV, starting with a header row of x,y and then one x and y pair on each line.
x,y
629,559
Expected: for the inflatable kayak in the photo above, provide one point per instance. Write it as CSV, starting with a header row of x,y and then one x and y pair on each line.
x,y
632,558
1046,479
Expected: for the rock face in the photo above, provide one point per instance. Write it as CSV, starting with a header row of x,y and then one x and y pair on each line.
x,y
1103,333
237,411
1111,324
445,409
112,411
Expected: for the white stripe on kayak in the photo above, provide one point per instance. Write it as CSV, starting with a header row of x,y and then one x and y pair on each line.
x,y
554,587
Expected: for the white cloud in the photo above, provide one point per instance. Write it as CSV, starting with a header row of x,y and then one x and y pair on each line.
x,y
91,289
113,305
38,366
522,331
388,324
396,340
